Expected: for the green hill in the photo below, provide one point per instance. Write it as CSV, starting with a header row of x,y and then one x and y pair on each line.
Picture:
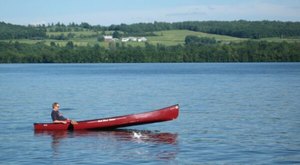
x,y
174,37
157,33
166,37
242,41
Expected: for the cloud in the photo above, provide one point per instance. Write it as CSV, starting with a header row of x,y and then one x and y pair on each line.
x,y
252,10
184,14
249,11
187,11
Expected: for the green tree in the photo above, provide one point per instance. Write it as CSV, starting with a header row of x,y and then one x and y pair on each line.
x,y
116,34
53,44
100,38
70,45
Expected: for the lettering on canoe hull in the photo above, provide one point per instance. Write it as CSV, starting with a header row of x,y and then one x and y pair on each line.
x,y
105,120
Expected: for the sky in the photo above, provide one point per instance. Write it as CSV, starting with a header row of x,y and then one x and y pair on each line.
x,y
108,12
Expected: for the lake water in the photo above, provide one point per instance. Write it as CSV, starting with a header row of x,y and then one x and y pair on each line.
x,y
245,113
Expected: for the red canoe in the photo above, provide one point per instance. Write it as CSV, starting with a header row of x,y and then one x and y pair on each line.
x,y
164,114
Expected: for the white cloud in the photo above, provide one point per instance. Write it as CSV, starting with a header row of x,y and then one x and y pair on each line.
x,y
253,10
249,11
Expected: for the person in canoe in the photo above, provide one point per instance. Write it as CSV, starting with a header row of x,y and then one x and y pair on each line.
x,y
57,117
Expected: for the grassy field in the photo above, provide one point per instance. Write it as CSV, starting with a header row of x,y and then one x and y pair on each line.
x,y
174,37
170,37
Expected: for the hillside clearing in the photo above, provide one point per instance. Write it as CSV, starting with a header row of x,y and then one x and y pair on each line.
x,y
167,37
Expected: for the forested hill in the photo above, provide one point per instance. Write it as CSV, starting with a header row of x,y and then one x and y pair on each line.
x,y
198,41
241,28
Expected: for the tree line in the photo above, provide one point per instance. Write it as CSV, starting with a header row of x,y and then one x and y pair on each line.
x,y
244,29
240,28
195,49
10,31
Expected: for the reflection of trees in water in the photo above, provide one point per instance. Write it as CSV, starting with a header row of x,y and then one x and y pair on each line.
x,y
129,144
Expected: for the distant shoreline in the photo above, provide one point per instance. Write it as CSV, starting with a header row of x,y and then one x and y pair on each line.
x,y
161,42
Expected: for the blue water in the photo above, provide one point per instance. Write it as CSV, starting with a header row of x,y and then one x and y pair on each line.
x,y
245,113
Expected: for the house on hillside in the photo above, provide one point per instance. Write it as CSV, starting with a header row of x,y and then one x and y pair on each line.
x,y
125,39
142,39
134,39
108,38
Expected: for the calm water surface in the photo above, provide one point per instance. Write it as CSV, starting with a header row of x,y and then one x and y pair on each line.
x,y
230,113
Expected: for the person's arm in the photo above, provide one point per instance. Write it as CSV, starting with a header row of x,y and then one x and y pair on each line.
x,y
60,121
74,122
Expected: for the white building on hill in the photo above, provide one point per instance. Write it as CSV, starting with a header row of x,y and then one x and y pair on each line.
x,y
134,39
142,39
125,39
108,38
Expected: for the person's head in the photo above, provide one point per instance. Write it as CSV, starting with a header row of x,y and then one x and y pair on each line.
x,y
55,106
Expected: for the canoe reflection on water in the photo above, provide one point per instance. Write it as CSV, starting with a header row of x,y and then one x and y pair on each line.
x,y
141,142
118,134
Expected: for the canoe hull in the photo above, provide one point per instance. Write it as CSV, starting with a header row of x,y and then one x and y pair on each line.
x,y
164,114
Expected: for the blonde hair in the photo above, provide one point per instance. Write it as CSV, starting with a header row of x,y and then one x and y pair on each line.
x,y
54,104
